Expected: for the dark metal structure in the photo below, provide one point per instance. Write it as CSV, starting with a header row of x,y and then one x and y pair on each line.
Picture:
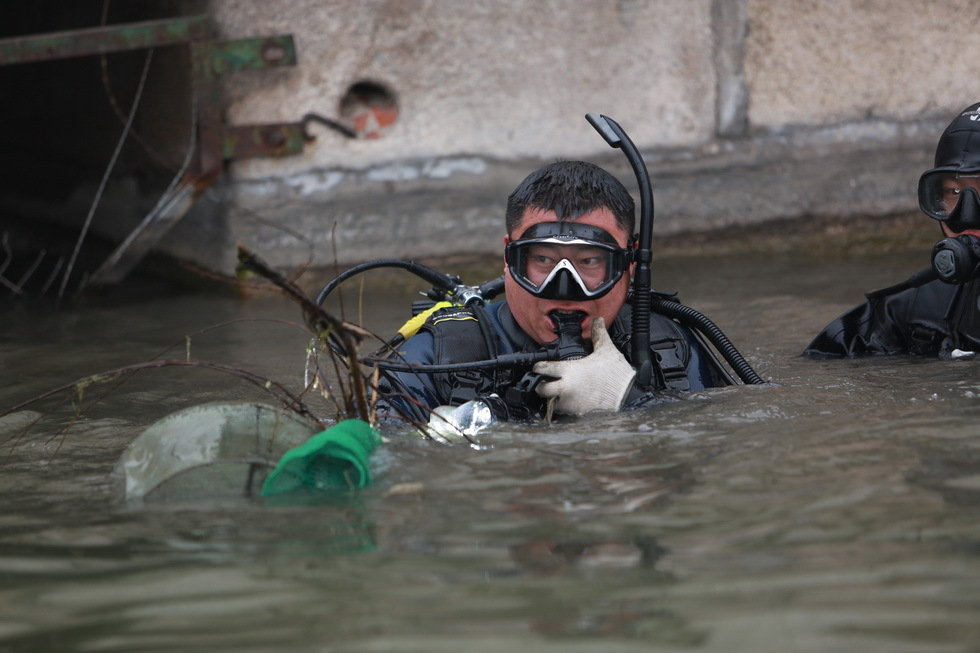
x,y
213,142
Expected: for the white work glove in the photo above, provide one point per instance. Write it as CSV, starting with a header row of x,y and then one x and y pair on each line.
x,y
597,382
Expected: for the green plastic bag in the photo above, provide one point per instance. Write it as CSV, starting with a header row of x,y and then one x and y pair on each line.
x,y
337,458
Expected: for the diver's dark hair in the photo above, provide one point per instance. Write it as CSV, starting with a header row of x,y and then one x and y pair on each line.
x,y
570,189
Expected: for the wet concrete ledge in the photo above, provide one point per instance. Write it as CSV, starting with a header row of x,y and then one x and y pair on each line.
x,y
451,208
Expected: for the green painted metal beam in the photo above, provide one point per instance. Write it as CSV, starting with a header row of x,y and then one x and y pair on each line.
x,y
102,40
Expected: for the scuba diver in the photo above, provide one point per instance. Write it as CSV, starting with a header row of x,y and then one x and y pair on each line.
x,y
568,251
935,312
580,329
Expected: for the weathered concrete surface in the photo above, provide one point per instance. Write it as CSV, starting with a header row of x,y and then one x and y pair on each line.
x,y
504,79
410,210
746,110
818,63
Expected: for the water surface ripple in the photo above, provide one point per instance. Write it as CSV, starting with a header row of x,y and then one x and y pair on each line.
x,y
836,509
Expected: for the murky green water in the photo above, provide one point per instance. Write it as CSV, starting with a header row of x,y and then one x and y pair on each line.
x,y
836,510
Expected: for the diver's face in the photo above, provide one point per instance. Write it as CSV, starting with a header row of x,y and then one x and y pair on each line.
x,y
531,312
952,189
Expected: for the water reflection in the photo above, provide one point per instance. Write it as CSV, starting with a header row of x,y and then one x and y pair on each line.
x,y
835,509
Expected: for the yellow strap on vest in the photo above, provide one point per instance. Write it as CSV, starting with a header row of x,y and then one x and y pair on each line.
x,y
412,327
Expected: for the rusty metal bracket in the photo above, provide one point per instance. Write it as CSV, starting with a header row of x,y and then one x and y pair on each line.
x,y
220,142
273,139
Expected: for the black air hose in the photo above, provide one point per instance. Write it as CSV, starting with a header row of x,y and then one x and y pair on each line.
x,y
920,278
436,278
715,336
504,360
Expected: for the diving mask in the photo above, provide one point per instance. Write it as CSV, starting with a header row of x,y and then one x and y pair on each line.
x,y
951,197
566,261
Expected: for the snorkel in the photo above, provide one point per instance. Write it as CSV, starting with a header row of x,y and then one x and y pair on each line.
x,y
643,301
610,130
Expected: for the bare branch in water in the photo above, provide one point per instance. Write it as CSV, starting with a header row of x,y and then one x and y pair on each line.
x,y
324,326
321,323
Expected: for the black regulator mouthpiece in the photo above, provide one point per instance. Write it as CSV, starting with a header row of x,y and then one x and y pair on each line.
x,y
957,260
569,346
570,343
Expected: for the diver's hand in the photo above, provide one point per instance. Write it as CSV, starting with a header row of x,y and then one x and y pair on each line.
x,y
597,382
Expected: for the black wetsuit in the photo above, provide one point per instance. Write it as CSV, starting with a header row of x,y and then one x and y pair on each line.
x,y
932,319
456,335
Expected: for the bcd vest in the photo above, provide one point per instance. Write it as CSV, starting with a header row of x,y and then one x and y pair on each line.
x,y
463,335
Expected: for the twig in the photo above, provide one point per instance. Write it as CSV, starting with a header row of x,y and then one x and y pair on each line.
x,y
320,322
79,386
105,177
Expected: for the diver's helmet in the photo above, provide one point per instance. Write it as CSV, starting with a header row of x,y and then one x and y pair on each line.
x,y
950,192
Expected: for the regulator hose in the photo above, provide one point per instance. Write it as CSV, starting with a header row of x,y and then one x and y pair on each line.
x,y
684,314
691,317
504,360
920,278
436,278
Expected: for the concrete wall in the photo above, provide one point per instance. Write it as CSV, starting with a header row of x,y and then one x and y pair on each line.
x,y
746,110
842,61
